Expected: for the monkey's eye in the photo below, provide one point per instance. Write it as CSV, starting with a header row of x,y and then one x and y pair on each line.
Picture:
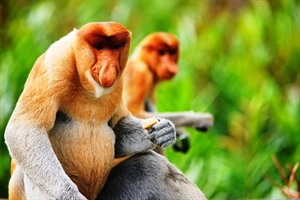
x,y
116,46
173,51
98,46
161,52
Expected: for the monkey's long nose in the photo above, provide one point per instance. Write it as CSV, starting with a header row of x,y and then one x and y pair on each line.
x,y
173,69
107,76
170,72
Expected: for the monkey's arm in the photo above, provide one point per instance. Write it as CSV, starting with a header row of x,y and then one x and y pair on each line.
x,y
200,121
132,138
30,147
136,97
26,136
182,143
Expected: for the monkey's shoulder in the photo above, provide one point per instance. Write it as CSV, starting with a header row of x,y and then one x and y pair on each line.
x,y
136,67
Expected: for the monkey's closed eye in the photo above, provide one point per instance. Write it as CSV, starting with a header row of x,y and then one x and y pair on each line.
x,y
98,46
116,46
173,51
161,52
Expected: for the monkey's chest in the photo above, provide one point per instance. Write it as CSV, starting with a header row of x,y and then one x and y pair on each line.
x,y
86,152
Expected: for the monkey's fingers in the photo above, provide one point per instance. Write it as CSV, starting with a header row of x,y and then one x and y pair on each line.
x,y
162,123
163,137
165,141
157,133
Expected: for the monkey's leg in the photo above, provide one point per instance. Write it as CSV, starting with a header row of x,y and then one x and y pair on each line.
x,y
148,176
16,185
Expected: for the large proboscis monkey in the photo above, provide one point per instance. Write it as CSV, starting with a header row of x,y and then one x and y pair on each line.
x,y
153,61
62,132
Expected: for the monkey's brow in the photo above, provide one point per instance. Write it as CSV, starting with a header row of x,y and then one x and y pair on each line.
x,y
162,46
116,38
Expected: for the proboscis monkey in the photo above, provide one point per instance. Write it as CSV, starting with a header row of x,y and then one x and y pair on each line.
x,y
153,61
62,132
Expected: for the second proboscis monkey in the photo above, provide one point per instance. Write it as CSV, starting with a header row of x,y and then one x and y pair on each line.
x,y
62,132
155,60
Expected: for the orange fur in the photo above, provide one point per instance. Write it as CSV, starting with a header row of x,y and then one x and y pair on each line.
x,y
119,160
12,166
62,84
154,60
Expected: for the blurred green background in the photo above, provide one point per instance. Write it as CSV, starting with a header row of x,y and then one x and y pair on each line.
x,y
240,60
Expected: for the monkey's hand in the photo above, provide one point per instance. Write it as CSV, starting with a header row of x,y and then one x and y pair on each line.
x,y
163,133
131,136
202,121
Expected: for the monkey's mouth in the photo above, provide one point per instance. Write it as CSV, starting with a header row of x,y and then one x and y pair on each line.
x,y
97,88
168,75
105,76
106,80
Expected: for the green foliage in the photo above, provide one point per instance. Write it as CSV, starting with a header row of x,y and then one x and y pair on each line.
x,y
239,60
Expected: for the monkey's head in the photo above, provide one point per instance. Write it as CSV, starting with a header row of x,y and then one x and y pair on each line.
x,y
101,52
160,51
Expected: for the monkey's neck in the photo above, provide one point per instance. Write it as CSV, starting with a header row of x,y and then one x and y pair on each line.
x,y
86,107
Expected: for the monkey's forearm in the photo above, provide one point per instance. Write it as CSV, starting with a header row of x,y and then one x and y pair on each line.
x,y
180,119
30,147
131,138
187,119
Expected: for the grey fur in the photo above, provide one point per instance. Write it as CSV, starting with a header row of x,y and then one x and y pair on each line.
x,y
41,171
40,167
131,138
148,176
199,121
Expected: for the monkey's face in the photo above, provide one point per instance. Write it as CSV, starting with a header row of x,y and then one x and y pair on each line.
x,y
101,53
160,52
166,64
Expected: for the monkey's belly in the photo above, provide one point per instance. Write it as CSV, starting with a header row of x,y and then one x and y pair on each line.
x,y
86,152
